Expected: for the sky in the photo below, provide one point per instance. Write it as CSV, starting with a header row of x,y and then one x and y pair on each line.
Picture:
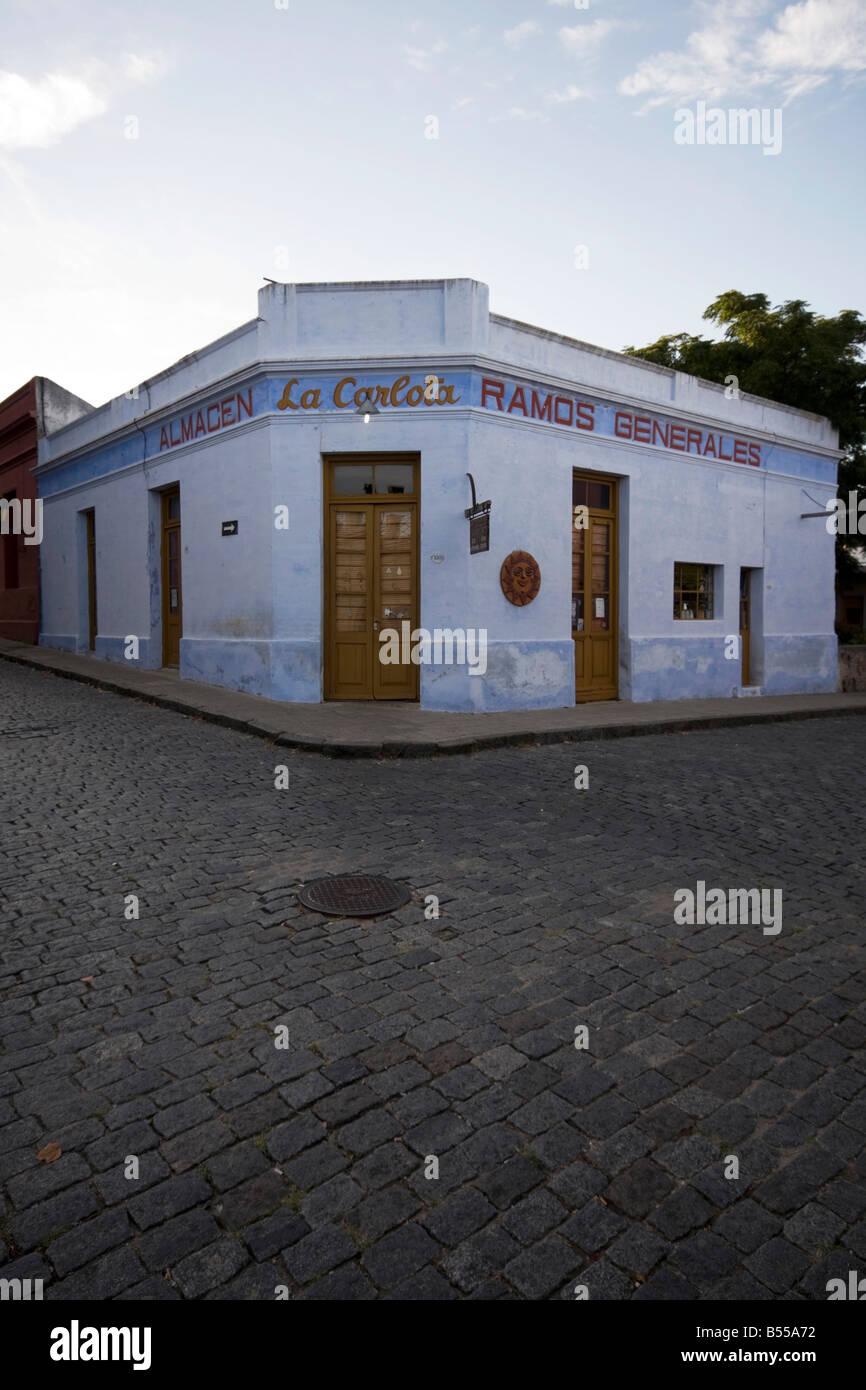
x,y
158,160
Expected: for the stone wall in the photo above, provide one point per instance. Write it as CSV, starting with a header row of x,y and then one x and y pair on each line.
x,y
852,667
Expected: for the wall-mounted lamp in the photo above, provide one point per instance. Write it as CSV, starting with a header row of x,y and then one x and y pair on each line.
x,y
367,409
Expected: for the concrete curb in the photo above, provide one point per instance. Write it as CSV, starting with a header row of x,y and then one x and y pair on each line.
x,y
433,748
590,734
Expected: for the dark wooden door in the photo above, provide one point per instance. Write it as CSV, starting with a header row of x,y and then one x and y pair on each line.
x,y
594,588
90,522
746,625
172,598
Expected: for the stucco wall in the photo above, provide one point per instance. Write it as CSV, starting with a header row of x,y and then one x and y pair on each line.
x,y
253,603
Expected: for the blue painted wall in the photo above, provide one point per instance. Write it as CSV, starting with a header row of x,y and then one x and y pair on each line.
x,y
253,603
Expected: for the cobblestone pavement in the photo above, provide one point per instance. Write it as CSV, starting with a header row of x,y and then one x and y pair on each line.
x,y
410,1038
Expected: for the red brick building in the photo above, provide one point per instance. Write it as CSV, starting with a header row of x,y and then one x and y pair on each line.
x,y
35,409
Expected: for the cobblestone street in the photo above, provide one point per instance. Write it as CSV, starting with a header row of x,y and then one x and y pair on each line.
x,y
412,1038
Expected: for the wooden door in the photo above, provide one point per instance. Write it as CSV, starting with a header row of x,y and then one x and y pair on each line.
x,y
172,597
594,624
745,625
350,588
371,576
394,586
90,525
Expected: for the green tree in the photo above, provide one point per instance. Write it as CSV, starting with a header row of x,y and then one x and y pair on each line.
x,y
792,355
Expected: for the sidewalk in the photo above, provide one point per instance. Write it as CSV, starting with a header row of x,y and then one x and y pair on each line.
x,y
397,729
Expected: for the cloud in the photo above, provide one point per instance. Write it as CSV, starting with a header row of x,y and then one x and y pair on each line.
x,y
820,36
461,102
736,52
569,93
520,113
144,67
35,115
583,39
516,36
421,58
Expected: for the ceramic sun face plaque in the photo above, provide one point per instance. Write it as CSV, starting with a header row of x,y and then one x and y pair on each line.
x,y
520,577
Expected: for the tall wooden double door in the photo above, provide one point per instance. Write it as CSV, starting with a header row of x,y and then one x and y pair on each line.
x,y
371,576
746,626
90,545
172,597
594,619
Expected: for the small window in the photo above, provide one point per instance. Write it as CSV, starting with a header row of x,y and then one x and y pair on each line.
x,y
587,493
381,479
353,479
395,477
693,591
599,496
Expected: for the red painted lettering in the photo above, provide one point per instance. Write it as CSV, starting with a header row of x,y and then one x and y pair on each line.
x,y
210,427
245,405
755,455
199,425
496,389
694,437
641,430
171,434
163,439
622,425
226,417
563,400
660,429
540,412
585,416
515,404
186,428
711,440
680,441
740,451
727,457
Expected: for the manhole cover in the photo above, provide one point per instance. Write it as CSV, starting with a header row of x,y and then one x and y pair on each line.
x,y
354,895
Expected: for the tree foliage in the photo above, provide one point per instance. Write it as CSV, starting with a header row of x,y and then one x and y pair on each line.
x,y
792,355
